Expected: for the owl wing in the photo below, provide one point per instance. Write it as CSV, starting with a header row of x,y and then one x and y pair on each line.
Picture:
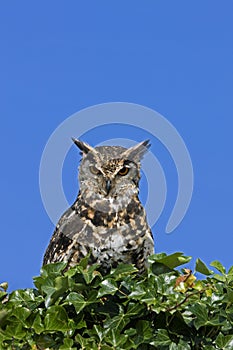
x,y
69,225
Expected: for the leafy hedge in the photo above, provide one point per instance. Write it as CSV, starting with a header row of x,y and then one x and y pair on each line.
x,y
81,309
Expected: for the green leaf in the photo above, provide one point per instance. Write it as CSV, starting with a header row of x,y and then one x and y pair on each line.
x,y
54,268
86,343
162,338
99,331
15,330
229,295
116,323
156,257
53,293
46,285
28,298
21,313
56,319
219,277
130,332
81,309
164,285
172,261
216,321
230,271
181,346
199,285
158,268
225,341
200,311
116,339
84,261
67,344
150,299
218,266
108,286
123,270
3,315
61,283
135,309
202,268
38,282
77,300
137,292
90,274
37,324
144,332
45,341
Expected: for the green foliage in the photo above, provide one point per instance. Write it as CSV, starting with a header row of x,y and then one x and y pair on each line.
x,y
163,309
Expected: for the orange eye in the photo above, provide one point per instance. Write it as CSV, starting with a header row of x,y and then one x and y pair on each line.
x,y
123,171
94,170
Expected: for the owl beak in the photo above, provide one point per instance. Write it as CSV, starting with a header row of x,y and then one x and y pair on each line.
x,y
108,186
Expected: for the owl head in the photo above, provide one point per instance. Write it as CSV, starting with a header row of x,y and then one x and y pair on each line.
x,y
110,172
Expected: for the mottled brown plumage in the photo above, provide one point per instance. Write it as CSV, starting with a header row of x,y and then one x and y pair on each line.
x,y
107,220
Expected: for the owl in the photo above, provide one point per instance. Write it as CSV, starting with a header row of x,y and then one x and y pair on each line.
x,y
107,220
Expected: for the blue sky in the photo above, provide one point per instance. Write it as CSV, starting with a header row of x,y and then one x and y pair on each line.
x,y
60,57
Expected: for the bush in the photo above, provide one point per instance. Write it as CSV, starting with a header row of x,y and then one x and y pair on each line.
x,y
81,309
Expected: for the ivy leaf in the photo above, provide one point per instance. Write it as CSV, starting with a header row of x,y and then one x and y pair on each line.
x,y
56,319
220,278
218,266
117,323
3,315
224,341
60,287
99,331
229,295
90,274
202,268
144,332
108,286
199,310
135,309
181,346
171,261
84,342
15,330
21,313
61,283
81,308
162,338
158,268
45,341
116,339
77,300
230,271
55,268
67,344
37,324
123,270
27,297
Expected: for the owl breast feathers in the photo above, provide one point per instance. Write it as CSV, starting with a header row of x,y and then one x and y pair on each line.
x,y
107,220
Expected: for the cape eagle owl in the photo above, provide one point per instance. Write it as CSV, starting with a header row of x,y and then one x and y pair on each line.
x,y
107,220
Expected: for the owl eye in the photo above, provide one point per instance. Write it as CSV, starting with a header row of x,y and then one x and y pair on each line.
x,y
94,170
123,171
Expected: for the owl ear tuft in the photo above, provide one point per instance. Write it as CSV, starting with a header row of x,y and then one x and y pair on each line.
x,y
83,146
137,151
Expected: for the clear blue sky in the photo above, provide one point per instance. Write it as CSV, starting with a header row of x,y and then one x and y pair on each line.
x,y
58,57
